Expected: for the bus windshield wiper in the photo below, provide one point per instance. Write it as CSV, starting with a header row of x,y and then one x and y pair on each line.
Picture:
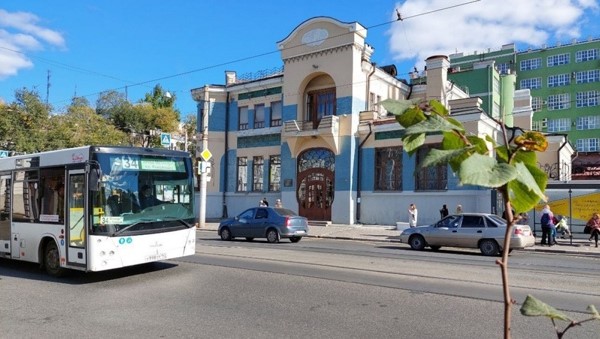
x,y
144,221
183,222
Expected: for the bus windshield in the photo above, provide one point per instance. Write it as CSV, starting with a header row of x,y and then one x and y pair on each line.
x,y
140,194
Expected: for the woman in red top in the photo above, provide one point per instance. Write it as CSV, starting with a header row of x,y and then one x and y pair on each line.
x,y
594,225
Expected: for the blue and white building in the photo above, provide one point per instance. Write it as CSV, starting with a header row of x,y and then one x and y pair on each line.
x,y
313,133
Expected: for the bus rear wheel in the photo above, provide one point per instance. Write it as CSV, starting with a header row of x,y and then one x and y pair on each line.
x,y
52,260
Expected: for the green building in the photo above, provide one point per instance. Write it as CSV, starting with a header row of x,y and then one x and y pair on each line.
x,y
564,82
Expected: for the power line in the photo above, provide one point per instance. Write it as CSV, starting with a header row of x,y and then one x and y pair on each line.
x,y
132,83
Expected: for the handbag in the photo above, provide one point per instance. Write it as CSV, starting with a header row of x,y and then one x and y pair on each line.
x,y
587,229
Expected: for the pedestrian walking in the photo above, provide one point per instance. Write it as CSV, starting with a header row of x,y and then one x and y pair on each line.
x,y
459,209
263,203
444,211
593,225
412,215
278,203
548,227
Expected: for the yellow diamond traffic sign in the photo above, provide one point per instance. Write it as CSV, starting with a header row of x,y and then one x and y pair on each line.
x,y
206,155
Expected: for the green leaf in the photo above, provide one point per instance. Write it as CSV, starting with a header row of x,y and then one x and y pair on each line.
x,y
412,142
484,171
436,157
398,107
534,307
528,157
438,107
410,117
521,198
452,141
434,123
502,153
526,178
480,145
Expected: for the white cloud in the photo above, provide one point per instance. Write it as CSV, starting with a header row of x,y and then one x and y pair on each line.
x,y
20,33
484,24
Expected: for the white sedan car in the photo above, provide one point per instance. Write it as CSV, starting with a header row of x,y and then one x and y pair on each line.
x,y
468,230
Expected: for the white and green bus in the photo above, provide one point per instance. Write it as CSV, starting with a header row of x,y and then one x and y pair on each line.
x,y
83,208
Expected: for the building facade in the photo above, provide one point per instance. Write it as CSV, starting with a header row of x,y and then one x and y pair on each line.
x,y
564,81
314,134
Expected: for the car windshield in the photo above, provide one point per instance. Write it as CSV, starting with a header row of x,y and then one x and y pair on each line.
x,y
142,193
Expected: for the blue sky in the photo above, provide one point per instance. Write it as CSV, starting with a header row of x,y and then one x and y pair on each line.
x,y
87,47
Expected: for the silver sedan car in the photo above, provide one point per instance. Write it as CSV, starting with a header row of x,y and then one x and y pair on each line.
x,y
468,230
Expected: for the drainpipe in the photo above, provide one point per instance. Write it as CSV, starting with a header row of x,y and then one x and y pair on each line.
x,y
226,160
359,151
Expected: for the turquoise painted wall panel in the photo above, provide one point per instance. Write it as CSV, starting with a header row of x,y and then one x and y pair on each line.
x,y
216,118
289,112
345,176
234,119
259,141
409,164
232,171
288,168
344,105
367,179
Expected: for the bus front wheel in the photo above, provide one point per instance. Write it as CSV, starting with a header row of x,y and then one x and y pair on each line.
x,y
52,260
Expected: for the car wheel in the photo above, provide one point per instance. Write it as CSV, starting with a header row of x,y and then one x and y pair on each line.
x,y
295,239
489,247
225,234
435,248
52,260
417,242
249,238
272,235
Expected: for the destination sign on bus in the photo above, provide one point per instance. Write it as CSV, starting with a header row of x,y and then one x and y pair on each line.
x,y
135,163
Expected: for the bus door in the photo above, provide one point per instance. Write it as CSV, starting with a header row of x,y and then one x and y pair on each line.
x,y
76,219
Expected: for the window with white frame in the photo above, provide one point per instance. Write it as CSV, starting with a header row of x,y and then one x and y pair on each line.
x,y
559,80
586,55
275,173
559,101
536,104
537,125
242,174
532,83
587,99
276,111
588,122
243,118
558,59
592,75
257,173
259,116
559,125
530,64
587,145
503,68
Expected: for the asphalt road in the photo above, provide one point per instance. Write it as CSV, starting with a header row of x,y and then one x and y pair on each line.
x,y
313,289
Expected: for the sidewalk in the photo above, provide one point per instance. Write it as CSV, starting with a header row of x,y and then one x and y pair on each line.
x,y
390,234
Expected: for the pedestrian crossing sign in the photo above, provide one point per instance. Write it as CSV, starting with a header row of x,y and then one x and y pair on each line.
x,y
3,154
165,139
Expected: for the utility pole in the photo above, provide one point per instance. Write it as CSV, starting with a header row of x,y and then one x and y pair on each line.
x,y
203,164
47,88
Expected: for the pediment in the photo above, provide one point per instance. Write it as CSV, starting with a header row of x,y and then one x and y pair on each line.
x,y
320,33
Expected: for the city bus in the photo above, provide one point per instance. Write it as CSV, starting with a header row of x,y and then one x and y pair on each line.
x,y
79,208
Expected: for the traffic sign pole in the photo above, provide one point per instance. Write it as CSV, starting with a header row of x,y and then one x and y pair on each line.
x,y
204,148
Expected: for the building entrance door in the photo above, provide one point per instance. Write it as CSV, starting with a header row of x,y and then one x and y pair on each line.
x,y
315,190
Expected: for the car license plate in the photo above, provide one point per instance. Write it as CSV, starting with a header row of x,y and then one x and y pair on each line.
x,y
300,232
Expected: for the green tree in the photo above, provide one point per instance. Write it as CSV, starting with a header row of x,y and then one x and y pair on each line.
x,y
80,126
510,167
24,122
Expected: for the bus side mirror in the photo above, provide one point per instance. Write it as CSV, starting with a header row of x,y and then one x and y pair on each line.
x,y
94,179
